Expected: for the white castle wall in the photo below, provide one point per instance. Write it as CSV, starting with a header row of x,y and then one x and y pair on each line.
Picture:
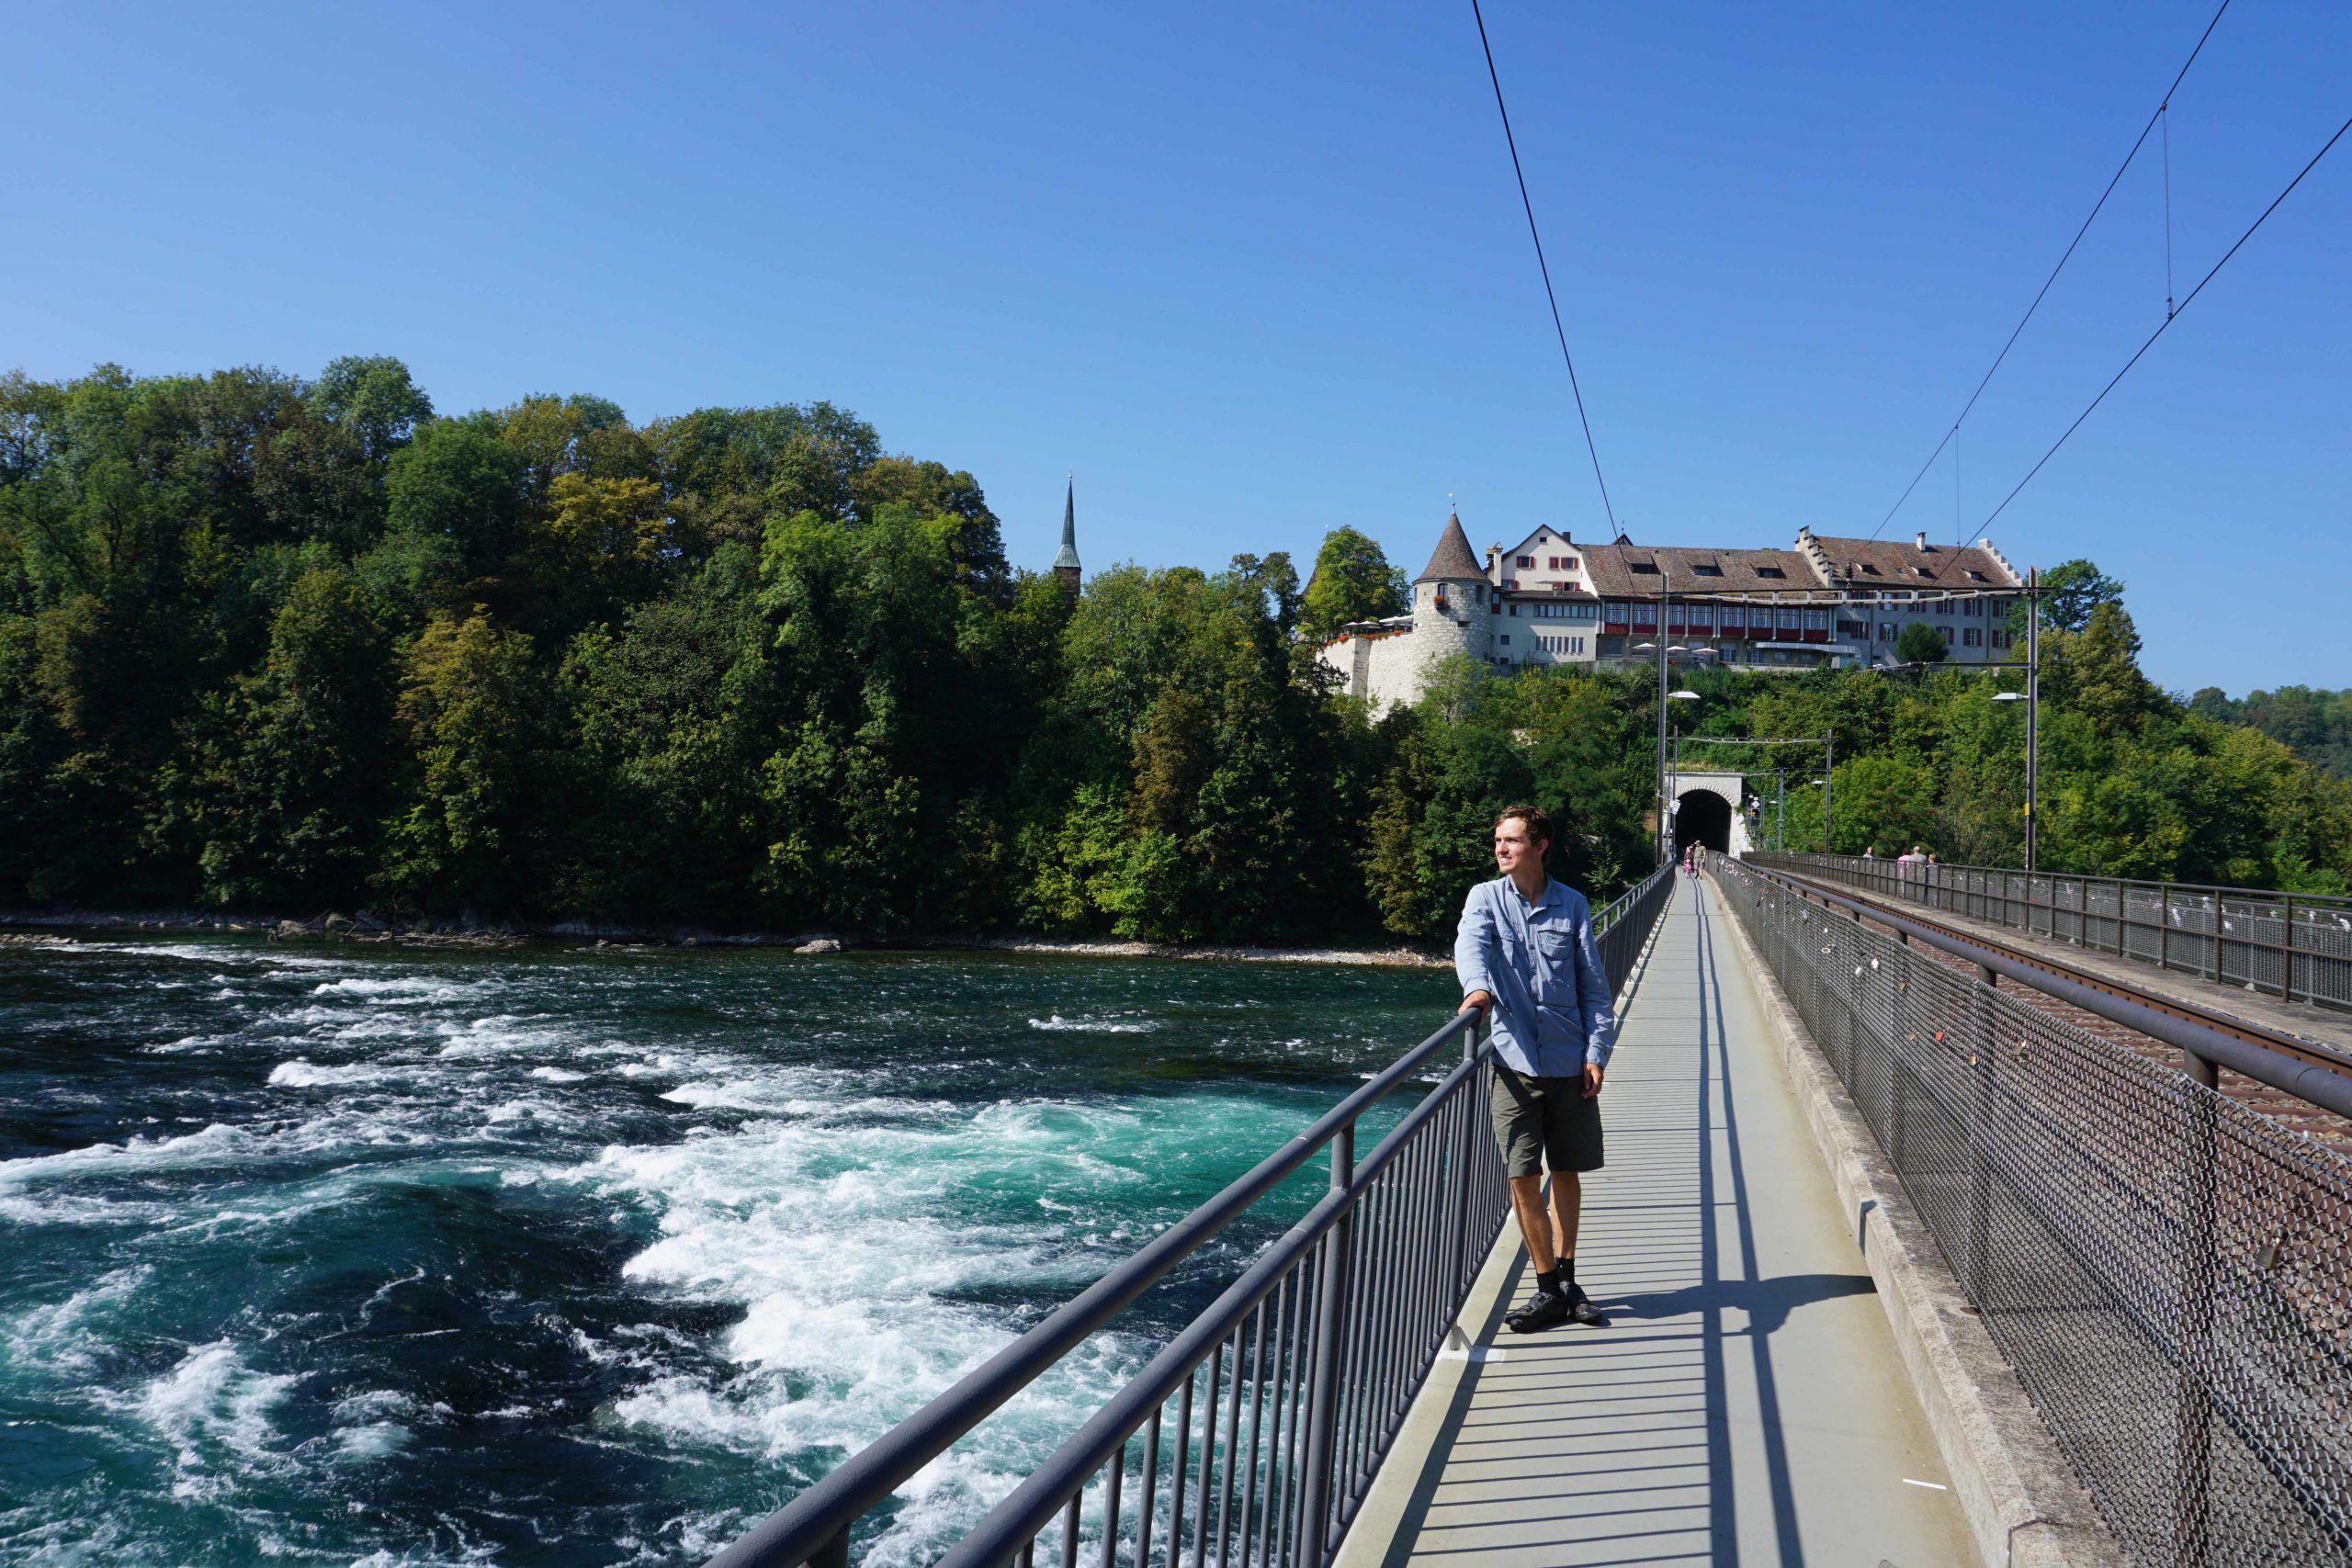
x,y
1386,668
1393,668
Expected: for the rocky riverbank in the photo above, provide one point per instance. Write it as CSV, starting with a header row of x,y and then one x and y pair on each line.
x,y
19,926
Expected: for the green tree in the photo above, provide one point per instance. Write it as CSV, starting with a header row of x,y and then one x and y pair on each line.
x,y
286,787
454,498
1921,644
466,825
2071,590
1351,581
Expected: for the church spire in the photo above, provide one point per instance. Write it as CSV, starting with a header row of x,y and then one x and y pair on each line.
x,y
1066,565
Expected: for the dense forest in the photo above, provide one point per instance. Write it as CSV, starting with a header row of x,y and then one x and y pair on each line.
x,y
2315,725
285,645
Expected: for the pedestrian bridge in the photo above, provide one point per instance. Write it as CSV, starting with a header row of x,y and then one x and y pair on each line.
x,y
1901,1269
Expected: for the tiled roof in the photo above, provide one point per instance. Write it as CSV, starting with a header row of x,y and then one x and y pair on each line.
x,y
1901,563
1454,560
1640,570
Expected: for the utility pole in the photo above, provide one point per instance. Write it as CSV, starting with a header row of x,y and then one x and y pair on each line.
x,y
1780,810
1661,710
1828,770
2033,706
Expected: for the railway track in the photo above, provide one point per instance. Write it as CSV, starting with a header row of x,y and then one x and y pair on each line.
x,y
2291,1109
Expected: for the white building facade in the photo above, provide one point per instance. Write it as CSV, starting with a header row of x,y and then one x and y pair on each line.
x,y
1551,601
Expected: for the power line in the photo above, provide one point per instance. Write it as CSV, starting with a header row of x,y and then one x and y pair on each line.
x,y
2168,321
2096,207
1544,268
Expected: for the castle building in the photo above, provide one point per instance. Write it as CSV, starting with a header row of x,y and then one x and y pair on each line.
x,y
1549,600
1066,564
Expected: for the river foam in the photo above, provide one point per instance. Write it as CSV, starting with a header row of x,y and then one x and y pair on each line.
x,y
399,1260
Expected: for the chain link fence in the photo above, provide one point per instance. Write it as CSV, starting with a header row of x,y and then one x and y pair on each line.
x,y
2169,1274
2294,946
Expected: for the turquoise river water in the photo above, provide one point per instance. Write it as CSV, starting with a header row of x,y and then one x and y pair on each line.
x,y
316,1254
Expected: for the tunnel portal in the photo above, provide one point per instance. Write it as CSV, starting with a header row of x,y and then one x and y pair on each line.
x,y
1702,817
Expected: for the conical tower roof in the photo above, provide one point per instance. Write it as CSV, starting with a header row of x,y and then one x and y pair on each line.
x,y
1454,562
1068,559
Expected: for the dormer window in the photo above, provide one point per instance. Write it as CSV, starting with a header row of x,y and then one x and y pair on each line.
x,y
1643,568
1708,568
1927,572
1770,571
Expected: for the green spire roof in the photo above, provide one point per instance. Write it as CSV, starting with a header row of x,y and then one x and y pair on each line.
x,y
1069,558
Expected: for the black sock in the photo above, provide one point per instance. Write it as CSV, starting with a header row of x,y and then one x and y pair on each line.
x,y
1567,1269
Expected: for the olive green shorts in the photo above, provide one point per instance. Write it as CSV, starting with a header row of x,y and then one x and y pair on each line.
x,y
1545,1120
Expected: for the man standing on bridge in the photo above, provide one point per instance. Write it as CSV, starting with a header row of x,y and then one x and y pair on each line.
x,y
1525,951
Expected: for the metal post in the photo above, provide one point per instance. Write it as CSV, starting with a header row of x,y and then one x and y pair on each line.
x,y
1322,1424
2032,731
834,1553
2286,949
1828,772
2192,1456
1979,1054
1780,810
1661,713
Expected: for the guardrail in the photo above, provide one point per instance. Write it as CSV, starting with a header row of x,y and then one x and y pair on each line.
x,y
2296,946
1285,1392
2165,1270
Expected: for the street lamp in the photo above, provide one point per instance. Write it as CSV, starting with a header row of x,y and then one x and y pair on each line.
x,y
1664,805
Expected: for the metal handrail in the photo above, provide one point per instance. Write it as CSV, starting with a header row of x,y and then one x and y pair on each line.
x,y
2326,1084
814,1528
1033,1506
2296,946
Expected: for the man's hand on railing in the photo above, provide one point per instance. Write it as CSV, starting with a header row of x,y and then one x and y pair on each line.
x,y
1477,1002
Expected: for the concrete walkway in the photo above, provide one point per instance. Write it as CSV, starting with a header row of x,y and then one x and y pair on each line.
x,y
1746,1404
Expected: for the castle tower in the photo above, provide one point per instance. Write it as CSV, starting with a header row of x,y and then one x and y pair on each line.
x,y
1066,564
1451,614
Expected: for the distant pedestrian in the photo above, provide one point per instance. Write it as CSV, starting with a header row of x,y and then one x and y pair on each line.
x,y
1869,852
1526,955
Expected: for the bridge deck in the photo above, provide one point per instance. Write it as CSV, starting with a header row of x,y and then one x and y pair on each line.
x,y
1747,1403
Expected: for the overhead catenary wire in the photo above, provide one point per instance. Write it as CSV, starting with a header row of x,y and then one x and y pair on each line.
x,y
2175,315
2097,207
1544,268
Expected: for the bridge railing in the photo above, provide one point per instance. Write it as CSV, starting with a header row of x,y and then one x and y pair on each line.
x,y
2294,946
2169,1273
1253,1434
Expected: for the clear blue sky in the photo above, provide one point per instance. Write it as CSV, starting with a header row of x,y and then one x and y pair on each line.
x,y
1252,273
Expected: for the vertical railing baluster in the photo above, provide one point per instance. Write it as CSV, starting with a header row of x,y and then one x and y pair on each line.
x,y
1208,1457
1114,1473
1232,1454
1070,1530
1150,1490
1302,1341
1323,1401
1178,1472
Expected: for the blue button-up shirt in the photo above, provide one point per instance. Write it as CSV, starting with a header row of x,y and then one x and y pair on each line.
x,y
1553,1008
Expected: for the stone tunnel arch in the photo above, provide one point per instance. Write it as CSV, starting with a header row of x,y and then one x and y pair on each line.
x,y
1706,810
1702,817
